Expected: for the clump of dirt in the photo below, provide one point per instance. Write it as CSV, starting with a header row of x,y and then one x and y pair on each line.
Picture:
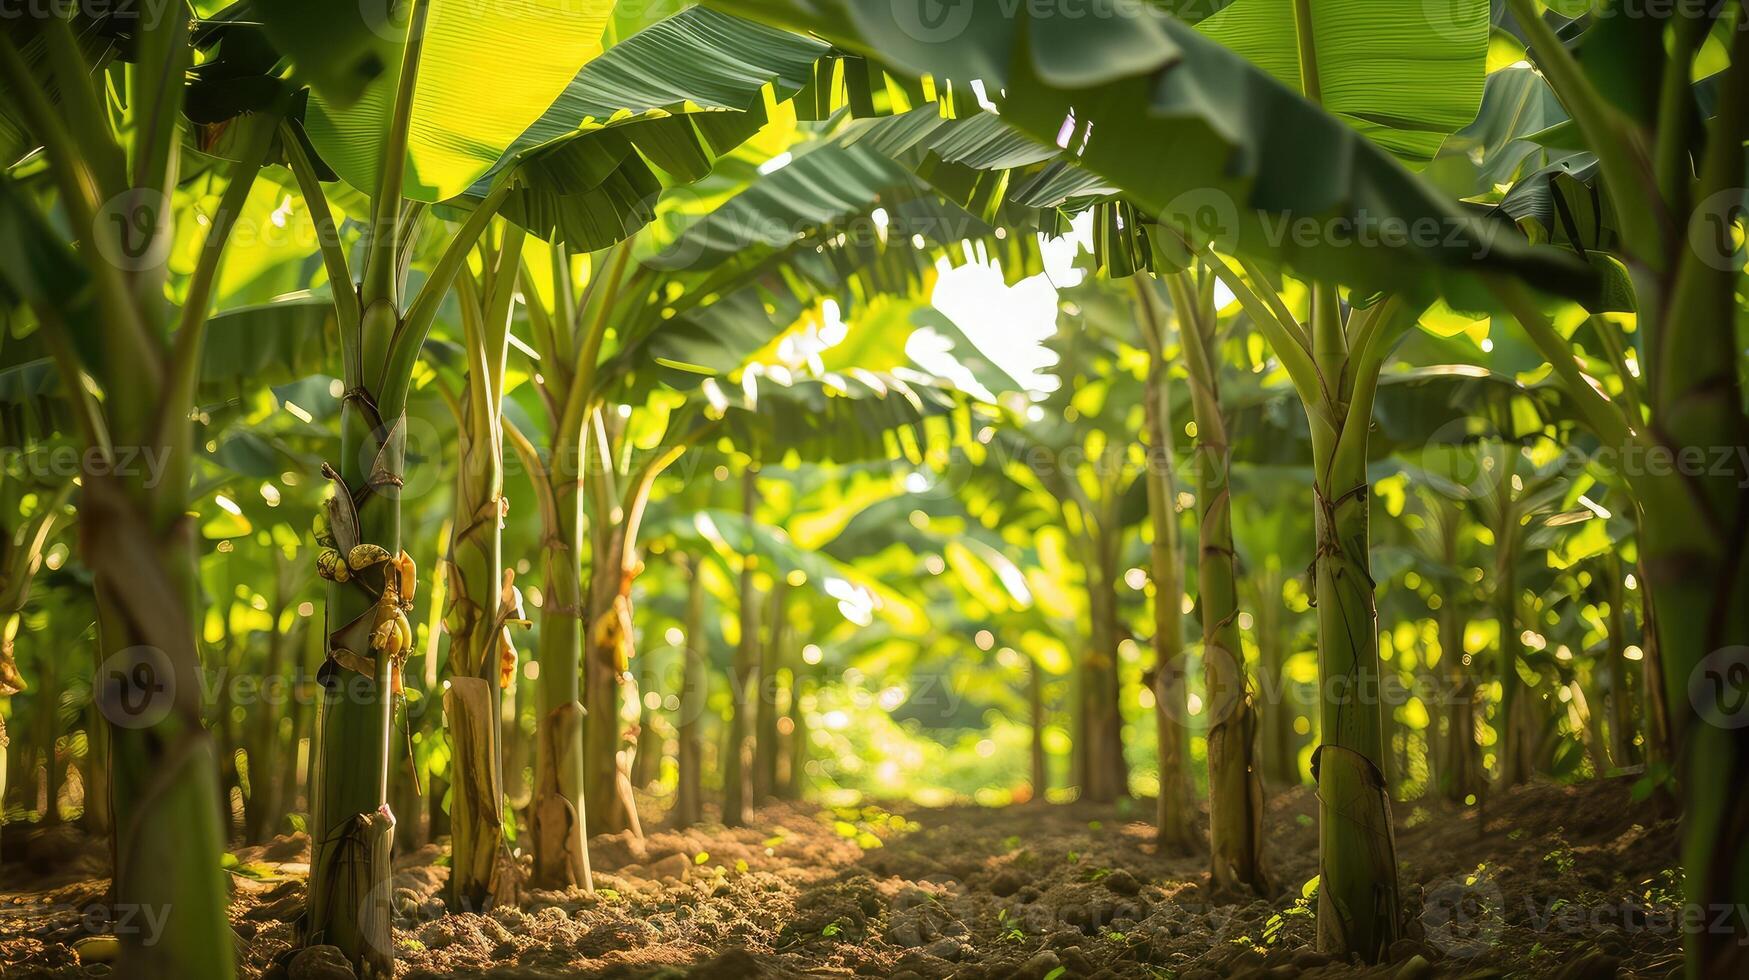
x,y
1574,882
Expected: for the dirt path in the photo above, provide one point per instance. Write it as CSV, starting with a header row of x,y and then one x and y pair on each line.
x,y
1561,881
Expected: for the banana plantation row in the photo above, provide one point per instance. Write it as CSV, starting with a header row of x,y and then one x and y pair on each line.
x,y
383,387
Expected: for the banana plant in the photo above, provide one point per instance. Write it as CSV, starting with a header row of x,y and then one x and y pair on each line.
x,y
689,797
1072,465
103,314
1155,90
1235,773
482,603
1241,133
1669,176
1443,536
1175,814
1516,495
428,141
26,531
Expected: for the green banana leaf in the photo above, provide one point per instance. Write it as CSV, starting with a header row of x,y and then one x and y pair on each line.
x,y
671,99
1405,77
480,84
1197,137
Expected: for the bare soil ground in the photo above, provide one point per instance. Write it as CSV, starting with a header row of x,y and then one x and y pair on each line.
x,y
1570,882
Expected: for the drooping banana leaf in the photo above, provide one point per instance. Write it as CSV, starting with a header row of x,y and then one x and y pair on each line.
x,y
1516,105
253,347
670,99
1455,403
246,350
844,418
337,46
1564,204
1196,136
816,191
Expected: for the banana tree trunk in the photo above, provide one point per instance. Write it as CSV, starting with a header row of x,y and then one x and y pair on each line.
x,y
481,661
694,692
1622,689
351,821
647,754
1105,777
96,819
135,534
264,806
557,814
1235,778
1515,757
1035,700
1358,901
163,786
48,732
765,709
743,679
1460,767
1704,625
1335,367
794,783
311,647
1175,816
606,658
1281,746
1654,705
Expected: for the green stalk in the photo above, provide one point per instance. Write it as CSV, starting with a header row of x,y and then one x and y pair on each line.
x,y
1359,908
1515,761
1035,702
800,680
765,710
1460,770
689,805
612,807
139,546
561,856
480,861
1106,774
1280,744
351,823
1175,807
1235,781
1621,693
647,752
1698,584
1358,902
559,814
743,675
